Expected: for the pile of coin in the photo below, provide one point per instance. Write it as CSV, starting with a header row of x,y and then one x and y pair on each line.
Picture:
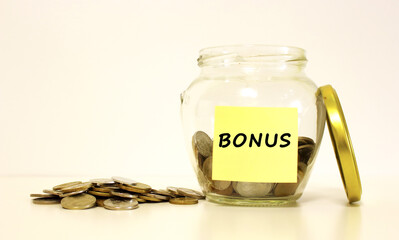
x,y
202,147
116,193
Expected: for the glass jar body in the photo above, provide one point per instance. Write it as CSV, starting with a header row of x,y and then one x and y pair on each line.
x,y
251,84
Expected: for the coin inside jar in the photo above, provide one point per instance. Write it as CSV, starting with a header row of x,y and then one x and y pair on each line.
x,y
287,189
120,204
305,152
216,184
252,189
76,202
202,143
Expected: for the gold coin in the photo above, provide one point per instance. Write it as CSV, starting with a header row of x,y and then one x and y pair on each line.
x,y
287,189
100,201
302,166
46,200
226,192
42,195
202,143
122,180
77,187
160,197
216,184
140,200
190,193
103,189
183,201
305,152
152,199
77,202
162,192
50,191
123,194
137,188
120,204
100,194
65,185
71,193
305,140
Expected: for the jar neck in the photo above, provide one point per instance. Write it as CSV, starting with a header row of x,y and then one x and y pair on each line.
x,y
252,59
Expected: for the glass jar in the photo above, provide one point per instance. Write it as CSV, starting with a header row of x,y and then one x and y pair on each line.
x,y
251,76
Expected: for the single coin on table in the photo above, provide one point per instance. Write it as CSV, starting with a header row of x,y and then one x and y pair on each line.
x,y
46,200
123,180
77,187
65,185
120,204
183,201
77,202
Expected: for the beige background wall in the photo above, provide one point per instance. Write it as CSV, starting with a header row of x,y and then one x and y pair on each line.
x,y
92,87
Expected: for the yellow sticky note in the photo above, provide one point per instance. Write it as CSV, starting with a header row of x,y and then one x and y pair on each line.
x,y
255,144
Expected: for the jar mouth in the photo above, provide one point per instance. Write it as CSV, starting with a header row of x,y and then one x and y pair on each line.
x,y
251,54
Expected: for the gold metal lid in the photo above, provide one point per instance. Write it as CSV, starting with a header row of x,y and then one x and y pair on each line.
x,y
342,143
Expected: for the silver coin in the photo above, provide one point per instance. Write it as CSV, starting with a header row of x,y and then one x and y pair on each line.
x,y
251,189
120,204
124,194
202,143
126,181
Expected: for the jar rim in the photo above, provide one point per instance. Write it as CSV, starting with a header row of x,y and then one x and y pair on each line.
x,y
250,53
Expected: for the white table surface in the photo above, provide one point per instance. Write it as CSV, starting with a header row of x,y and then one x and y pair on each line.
x,y
321,213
